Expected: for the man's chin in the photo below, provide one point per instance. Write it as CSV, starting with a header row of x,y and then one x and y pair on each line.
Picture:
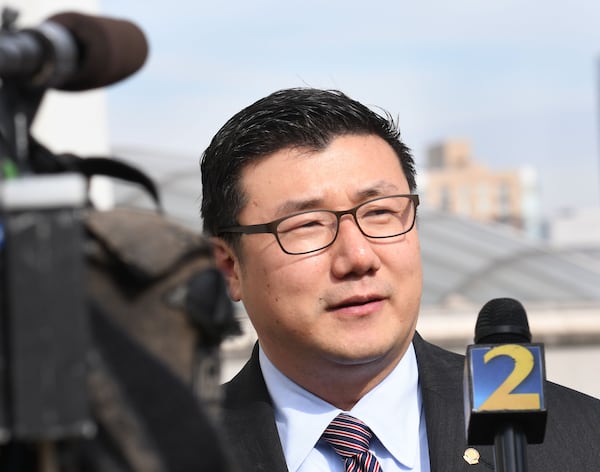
x,y
367,354
358,357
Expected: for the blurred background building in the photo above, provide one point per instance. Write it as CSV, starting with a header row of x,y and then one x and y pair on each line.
x,y
455,182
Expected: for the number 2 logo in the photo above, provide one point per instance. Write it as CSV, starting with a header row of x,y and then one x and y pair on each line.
x,y
503,397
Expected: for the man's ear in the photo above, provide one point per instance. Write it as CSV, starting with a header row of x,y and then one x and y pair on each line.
x,y
228,263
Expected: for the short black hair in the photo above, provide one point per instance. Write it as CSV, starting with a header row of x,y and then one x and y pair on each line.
x,y
298,117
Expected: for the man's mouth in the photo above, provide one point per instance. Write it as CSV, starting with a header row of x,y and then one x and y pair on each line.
x,y
355,302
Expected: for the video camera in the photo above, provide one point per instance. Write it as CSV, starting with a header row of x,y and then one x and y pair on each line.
x,y
80,387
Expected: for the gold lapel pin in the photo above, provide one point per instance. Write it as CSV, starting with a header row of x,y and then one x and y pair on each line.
x,y
471,456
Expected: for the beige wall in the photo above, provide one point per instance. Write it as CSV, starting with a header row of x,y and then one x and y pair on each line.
x,y
570,334
458,184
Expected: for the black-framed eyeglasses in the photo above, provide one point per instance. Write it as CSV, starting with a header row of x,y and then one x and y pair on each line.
x,y
313,230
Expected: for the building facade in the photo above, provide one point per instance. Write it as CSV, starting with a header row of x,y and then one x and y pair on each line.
x,y
456,183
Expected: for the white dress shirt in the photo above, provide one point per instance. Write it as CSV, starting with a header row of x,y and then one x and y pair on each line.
x,y
393,410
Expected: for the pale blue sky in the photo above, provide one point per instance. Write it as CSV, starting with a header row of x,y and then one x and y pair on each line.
x,y
516,78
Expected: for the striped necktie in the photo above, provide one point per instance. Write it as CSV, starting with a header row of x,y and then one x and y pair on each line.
x,y
350,437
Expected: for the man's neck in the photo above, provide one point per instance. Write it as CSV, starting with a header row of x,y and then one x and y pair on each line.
x,y
341,385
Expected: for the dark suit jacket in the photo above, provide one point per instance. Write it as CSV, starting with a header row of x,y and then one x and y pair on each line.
x,y
572,441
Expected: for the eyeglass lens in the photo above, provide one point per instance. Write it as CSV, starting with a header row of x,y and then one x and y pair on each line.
x,y
313,230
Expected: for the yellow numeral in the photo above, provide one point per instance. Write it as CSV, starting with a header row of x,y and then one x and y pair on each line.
x,y
503,398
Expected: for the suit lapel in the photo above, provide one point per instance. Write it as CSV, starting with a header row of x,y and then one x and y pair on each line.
x,y
249,421
440,379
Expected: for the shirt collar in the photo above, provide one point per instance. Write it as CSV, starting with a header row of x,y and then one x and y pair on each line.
x,y
398,392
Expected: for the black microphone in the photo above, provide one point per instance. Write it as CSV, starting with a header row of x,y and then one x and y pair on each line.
x,y
504,385
73,52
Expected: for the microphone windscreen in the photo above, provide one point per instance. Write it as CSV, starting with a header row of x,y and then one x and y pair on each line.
x,y
501,321
110,49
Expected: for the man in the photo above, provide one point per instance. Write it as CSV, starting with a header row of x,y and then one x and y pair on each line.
x,y
310,198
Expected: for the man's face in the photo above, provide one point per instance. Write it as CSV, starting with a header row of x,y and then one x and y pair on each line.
x,y
353,303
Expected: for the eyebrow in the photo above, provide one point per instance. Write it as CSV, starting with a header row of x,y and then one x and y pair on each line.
x,y
378,189
294,206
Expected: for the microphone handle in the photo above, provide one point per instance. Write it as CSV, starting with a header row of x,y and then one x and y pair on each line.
x,y
510,449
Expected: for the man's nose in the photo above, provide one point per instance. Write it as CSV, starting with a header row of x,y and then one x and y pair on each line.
x,y
353,252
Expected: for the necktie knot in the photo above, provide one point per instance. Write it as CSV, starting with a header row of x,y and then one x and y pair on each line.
x,y
349,437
